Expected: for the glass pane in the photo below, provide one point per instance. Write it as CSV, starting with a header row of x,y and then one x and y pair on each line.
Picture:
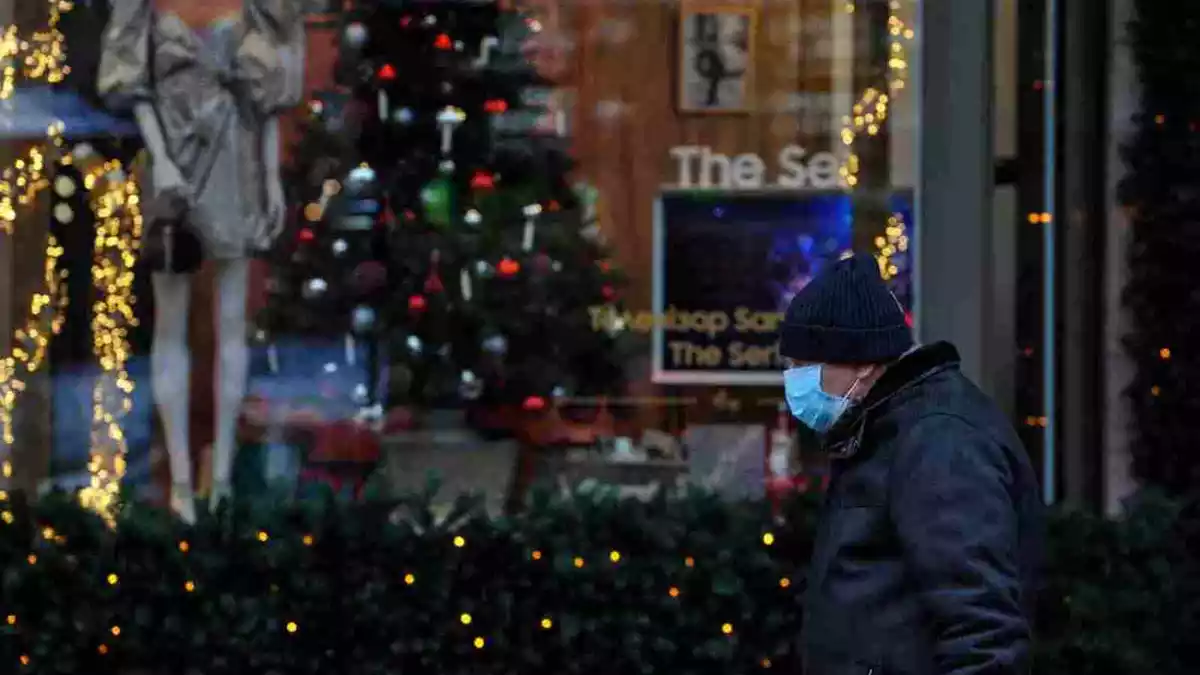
x,y
521,243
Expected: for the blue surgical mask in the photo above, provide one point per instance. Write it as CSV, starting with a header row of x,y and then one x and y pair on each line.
x,y
808,402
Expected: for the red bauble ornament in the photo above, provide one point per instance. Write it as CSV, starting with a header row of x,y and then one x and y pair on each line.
x,y
417,303
496,105
387,72
508,267
908,319
306,235
534,403
443,42
608,292
483,180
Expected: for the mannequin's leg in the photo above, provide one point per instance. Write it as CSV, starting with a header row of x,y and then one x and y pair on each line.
x,y
232,362
170,366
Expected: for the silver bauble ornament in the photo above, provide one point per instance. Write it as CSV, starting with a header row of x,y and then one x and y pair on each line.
x,y
356,35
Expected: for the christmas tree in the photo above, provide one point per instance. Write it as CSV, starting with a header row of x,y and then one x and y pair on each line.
x,y
326,268
1159,192
493,258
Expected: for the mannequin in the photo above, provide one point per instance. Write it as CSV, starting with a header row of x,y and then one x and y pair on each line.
x,y
206,83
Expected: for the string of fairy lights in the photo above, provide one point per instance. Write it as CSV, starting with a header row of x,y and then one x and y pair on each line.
x,y
20,186
478,639
866,118
40,57
113,198
115,204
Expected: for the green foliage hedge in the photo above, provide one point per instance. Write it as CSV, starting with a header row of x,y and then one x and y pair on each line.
x,y
683,585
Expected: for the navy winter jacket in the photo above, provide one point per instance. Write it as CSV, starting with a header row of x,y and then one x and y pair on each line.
x,y
927,552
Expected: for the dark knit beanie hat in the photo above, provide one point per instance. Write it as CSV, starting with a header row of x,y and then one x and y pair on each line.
x,y
846,315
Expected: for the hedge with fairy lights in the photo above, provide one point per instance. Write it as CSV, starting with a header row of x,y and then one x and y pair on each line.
x,y
1163,289
686,584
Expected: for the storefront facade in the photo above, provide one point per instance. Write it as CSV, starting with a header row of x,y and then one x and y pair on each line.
x,y
730,150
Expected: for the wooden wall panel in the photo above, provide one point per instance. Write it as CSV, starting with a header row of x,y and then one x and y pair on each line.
x,y
621,68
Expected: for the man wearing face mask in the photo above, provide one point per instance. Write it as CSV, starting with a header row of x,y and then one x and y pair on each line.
x,y
926,555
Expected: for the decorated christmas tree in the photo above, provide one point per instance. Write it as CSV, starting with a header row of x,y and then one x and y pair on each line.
x,y
327,270
493,256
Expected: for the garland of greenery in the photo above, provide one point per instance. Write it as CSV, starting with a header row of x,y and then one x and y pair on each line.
x,y
687,585
1161,193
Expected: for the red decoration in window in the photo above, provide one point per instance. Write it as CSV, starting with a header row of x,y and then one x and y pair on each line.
x,y
417,303
307,235
534,403
496,105
443,42
508,267
483,180
387,72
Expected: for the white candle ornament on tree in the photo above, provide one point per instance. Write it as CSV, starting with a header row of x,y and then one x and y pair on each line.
x,y
448,120
531,213
464,283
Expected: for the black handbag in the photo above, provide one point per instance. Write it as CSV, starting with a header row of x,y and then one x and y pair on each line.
x,y
168,243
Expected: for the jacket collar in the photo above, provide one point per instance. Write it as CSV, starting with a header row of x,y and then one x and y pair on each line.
x,y
845,437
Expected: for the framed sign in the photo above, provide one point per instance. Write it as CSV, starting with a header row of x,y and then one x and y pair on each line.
x,y
715,63
728,263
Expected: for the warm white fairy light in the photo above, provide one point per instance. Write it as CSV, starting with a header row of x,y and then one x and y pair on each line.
x,y
20,186
894,241
40,57
873,105
114,200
